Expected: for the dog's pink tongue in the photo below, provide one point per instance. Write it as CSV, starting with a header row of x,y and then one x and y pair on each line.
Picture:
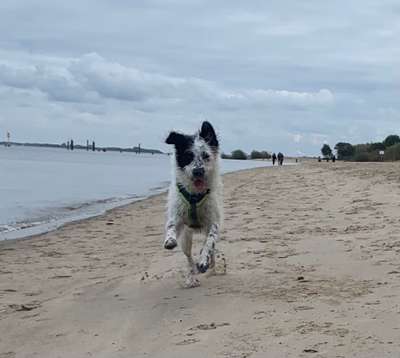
x,y
199,184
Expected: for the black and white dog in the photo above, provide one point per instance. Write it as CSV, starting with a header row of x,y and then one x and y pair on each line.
x,y
195,198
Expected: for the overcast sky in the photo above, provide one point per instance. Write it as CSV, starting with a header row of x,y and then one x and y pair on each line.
x,y
275,75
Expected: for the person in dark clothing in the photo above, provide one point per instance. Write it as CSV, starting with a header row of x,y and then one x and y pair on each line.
x,y
333,158
280,158
273,158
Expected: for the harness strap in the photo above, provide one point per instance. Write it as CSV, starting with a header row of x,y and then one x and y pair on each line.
x,y
194,201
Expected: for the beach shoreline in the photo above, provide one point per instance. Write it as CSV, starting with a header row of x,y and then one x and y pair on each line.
x,y
312,263
47,227
96,183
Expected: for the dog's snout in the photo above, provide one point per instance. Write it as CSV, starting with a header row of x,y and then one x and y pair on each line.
x,y
198,172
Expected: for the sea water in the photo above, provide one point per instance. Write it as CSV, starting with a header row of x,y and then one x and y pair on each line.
x,y
43,188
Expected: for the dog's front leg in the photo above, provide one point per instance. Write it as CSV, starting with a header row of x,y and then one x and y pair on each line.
x,y
171,233
207,252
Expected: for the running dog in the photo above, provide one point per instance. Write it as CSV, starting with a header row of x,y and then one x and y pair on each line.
x,y
195,198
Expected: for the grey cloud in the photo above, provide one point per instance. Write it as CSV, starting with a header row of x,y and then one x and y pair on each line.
x,y
91,76
57,84
267,74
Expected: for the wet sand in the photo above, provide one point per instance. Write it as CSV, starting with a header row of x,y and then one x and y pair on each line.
x,y
313,270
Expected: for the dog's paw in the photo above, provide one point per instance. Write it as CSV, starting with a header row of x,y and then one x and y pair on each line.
x,y
187,280
204,263
170,243
191,282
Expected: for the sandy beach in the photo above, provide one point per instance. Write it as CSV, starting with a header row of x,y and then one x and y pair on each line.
x,y
313,270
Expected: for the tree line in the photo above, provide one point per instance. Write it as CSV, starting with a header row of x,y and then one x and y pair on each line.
x,y
242,155
388,149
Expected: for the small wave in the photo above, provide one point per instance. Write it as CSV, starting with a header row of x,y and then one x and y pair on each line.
x,y
6,228
53,218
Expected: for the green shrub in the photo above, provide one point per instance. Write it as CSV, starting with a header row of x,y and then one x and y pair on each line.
x,y
239,154
376,146
369,152
259,155
374,156
326,151
344,150
361,157
360,148
393,152
391,140
266,155
363,153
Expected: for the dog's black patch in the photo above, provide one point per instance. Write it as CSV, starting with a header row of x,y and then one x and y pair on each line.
x,y
208,134
183,143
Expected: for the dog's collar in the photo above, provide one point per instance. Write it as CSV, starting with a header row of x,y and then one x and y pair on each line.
x,y
194,201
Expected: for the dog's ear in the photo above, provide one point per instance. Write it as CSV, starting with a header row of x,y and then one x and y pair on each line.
x,y
208,134
175,138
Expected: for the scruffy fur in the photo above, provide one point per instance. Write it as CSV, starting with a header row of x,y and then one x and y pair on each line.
x,y
196,160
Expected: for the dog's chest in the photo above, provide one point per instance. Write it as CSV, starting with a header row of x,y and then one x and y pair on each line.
x,y
194,215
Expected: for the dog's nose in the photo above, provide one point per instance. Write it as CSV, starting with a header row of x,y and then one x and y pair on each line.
x,y
198,172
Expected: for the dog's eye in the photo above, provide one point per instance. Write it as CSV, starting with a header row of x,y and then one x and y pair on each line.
x,y
205,155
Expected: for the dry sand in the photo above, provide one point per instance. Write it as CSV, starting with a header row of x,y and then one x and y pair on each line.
x,y
313,270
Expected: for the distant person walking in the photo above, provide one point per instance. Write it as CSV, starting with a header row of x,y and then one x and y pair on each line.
x,y
280,158
273,158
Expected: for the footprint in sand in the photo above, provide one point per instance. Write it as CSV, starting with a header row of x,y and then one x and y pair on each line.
x,y
24,307
208,326
187,342
259,315
201,327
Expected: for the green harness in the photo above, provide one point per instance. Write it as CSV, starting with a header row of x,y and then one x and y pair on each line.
x,y
193,202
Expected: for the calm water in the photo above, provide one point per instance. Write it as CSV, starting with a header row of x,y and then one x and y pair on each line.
x,y
40,188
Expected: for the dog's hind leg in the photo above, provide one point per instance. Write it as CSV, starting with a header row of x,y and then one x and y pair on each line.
x,y
207,252
186,243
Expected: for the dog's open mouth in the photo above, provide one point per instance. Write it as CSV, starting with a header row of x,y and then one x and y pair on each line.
x,y
199,184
